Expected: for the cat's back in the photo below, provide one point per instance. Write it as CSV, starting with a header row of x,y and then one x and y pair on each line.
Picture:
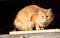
x,y
29,9
27,12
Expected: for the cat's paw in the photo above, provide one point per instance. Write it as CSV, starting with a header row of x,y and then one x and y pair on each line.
x,y
42,28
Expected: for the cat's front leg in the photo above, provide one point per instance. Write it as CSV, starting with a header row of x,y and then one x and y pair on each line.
x,y
41,26
30,25
37,27
30,29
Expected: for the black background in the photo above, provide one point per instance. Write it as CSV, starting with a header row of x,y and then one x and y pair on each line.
x,y
9,9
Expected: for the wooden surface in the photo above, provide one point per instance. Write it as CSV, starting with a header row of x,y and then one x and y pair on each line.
x,y
35,31
33,35
50,33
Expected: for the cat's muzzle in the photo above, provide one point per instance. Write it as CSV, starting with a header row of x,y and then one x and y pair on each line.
x,y
45,24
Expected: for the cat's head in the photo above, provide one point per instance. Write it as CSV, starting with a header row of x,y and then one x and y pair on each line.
x,y
45,16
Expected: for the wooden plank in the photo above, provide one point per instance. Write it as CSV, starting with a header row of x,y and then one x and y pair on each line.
x,y
33,35
34,31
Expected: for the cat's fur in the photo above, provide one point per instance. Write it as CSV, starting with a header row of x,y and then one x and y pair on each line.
x,y
33,16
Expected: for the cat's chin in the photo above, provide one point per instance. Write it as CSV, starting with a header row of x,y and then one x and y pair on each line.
x,y
41,25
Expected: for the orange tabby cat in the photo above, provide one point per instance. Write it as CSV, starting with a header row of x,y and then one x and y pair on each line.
x,y
33,16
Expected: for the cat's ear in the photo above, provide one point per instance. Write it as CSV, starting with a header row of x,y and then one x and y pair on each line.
x,y
49,10
40,12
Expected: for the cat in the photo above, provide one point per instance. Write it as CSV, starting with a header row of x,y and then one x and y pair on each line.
x,y
33,16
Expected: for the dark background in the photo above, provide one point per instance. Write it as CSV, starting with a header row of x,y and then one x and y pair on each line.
x,y
9,9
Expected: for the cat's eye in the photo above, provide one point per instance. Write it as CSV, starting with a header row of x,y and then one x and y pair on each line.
x,y
46,16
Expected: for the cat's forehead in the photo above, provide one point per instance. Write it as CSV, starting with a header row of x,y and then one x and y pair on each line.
x,y
45,11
